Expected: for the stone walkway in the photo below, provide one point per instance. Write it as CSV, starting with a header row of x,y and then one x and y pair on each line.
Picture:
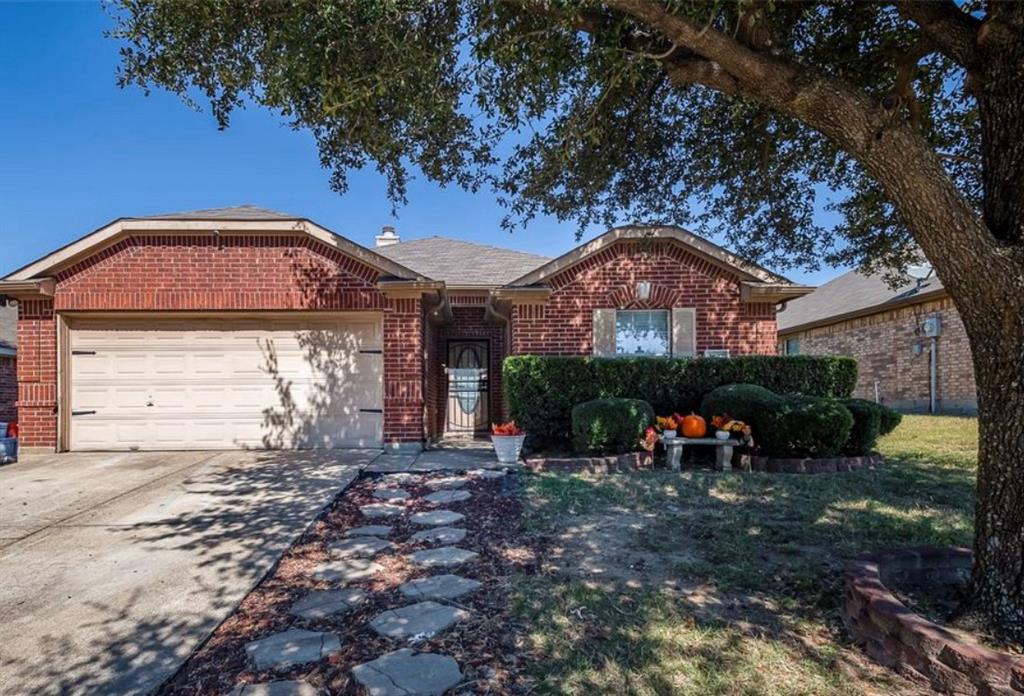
x,y
426,611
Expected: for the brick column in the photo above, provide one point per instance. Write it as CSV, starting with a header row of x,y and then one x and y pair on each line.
x,y
37,374
403,374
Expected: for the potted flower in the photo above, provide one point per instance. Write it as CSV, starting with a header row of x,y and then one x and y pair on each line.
x,y
508,441
726,428
648,442
668,426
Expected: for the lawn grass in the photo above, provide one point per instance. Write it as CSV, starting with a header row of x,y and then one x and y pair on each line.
x,y
752,606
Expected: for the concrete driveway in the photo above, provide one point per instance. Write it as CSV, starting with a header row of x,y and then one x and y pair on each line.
x,y
114,567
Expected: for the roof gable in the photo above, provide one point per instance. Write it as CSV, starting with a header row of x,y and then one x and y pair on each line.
x,y
259,222
744,270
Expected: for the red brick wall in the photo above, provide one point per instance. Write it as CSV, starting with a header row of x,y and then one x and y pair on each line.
x,y
563,326
203,272
468,324
8,389
883,345
37,374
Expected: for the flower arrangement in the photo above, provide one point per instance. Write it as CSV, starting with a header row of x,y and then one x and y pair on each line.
x,y
650,439
734,428
663,423
509,429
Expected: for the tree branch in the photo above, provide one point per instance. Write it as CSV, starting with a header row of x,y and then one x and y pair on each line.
x,y
950,28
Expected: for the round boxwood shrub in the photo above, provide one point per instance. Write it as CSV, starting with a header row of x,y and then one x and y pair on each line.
x,y
749,403
890,419
807,426
610,426
867,425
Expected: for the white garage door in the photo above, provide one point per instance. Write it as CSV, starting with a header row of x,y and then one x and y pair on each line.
x,y
226,383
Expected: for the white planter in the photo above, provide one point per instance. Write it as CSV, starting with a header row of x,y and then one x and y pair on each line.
x,y
508,447
722,434
669,434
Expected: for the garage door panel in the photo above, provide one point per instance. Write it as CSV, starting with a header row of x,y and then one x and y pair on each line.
x,y
181,384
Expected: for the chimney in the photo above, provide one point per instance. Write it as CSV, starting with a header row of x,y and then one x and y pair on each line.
x,y
387,237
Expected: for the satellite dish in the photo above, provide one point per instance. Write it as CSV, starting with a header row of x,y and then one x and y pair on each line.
x,y
920,271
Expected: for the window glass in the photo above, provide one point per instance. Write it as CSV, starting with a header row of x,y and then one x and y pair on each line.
x,y
641,332
792,346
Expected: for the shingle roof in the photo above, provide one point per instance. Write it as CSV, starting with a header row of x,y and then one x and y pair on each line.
x,y
851,293
8,329
237,212
462,263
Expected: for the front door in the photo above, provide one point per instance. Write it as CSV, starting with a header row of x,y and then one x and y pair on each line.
x,y
467,405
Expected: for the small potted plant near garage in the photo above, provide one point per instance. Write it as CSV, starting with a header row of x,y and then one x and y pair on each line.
x,y
508,441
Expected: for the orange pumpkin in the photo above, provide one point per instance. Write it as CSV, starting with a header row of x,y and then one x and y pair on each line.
x,y
694,426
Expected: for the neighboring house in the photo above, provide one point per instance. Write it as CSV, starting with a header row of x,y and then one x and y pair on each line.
x,y
244,327
910,345
8,363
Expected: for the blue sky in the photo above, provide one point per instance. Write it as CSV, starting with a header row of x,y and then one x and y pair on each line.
x,y
76,151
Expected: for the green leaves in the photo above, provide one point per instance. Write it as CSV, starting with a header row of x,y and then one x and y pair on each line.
x,y
564,108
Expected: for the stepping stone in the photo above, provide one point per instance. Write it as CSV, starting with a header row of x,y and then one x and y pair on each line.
x,y
381,510
448,496
369,530
417,621
359,547
322,603
401,478
406,673
438,587
488,473
447,482
440,535
276,688
295,646
391,494
443,557
347,570
436,518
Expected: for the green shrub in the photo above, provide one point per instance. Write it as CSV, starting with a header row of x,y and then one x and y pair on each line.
x,y
541,390
754,405
612,425
806,426
890,419
867,424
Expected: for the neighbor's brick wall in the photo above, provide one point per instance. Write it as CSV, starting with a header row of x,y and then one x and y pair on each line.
x,y
468,324
563,326
883,345
8,389
203,272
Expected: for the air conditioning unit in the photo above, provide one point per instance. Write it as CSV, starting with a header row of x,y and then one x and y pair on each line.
x,y
932,326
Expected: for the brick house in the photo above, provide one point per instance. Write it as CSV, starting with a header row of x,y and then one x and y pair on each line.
x,y
244,327
8,364
909,342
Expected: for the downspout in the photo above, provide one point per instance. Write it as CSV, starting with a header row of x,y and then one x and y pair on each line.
x,y
933,376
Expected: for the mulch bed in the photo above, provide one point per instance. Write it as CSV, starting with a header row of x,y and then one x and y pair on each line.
x,y
490,646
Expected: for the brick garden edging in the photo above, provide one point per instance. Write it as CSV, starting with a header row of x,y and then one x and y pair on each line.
x,y
635,461
827,465
893,635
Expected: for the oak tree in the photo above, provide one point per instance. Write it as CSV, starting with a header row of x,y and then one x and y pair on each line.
x,y
905,117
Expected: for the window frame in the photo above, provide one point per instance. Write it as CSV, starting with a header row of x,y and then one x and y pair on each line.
x,y
668,333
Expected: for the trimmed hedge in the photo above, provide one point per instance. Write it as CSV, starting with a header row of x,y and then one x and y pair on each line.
x,y
754,405
807,426
867,426
890,420
610,426
542,390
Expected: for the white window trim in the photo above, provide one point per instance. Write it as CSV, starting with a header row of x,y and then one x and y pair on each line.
x,y
716,353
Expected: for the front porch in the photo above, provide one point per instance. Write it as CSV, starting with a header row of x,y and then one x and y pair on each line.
x,y
465,351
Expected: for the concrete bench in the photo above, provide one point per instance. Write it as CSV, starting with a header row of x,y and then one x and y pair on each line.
x,y
723,450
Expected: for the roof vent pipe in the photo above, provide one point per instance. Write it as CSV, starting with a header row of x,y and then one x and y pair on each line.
x,y
387,237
